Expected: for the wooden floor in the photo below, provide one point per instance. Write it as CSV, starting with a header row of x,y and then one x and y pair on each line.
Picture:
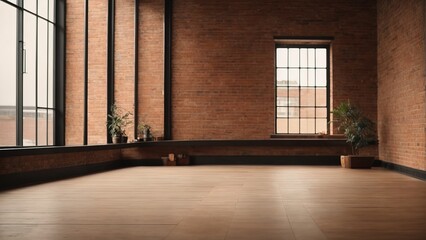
x,y
220,202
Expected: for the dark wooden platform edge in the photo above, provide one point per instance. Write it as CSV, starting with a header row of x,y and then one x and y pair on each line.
x,y
15,180
246,160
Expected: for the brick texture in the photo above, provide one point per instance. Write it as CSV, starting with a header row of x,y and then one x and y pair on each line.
x,y
401,82
97,98
223,61
124,58
151,65
74,72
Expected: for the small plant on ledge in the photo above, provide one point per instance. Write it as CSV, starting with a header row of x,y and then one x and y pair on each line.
x,y
358,130
144,131
117,121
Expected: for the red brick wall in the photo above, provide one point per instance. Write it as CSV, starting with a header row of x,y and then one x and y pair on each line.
x,y
124,58
97,72
223,61
151,65
97,99
74,72
401,82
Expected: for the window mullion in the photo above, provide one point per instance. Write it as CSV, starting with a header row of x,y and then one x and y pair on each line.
x,y
288,90
20,74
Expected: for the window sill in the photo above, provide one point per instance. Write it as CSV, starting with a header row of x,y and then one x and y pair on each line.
x,y
308,136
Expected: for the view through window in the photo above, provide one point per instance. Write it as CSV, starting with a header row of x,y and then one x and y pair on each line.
x,y
302,80
27,72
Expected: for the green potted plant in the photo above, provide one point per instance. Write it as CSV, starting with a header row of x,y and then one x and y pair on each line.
x,y
359,132
144,131
117,121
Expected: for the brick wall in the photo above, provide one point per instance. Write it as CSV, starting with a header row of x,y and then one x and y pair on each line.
x,y
124,58
223,61
97,98
401,82
151,65
74,72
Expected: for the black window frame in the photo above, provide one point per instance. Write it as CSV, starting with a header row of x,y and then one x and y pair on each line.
x,y
57,22
327,46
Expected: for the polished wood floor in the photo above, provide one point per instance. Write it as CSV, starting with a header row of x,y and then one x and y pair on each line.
x,y
220,202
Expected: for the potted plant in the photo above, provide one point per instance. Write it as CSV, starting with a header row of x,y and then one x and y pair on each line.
x,y
117,122
359,132
144,131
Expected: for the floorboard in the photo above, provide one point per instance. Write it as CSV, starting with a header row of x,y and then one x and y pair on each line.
x,y
219,202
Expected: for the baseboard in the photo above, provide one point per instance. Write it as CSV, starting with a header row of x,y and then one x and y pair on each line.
x,y
15,180
412,172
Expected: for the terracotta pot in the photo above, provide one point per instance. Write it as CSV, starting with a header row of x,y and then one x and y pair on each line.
x,y
355,161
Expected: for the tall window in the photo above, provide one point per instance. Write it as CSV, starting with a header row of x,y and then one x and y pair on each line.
x,y
27,72
302,92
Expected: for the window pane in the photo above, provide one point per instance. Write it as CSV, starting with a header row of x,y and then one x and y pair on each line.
x,y
303,77
30,46
42,63
42,127
294,77
294,96
29,126
321,96
321,77
307,97
293,101
282,57
321,112
282,77
281,94
307,125
294,125
293,112
8,50
303,57
321,125
31,5
321,58
307,112
51,77
282,112
311,57
43,8
50,129
52,10
282,125
311,77
294,57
